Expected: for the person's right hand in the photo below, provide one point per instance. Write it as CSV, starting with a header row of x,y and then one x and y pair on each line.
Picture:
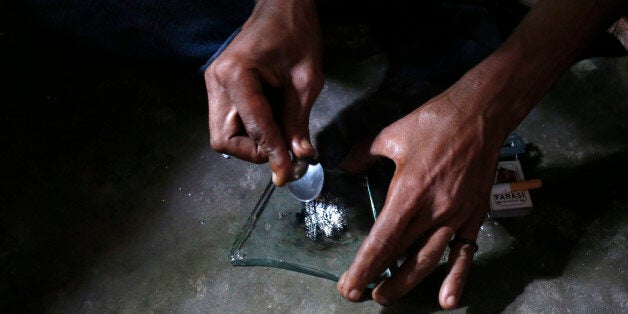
x,y
280,47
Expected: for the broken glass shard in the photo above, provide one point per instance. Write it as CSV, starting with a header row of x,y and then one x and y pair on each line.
x,y
318,238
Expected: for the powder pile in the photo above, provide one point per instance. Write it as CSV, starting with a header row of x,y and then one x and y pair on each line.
x,y
323,217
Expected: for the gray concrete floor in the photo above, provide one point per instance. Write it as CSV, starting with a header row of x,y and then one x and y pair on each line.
x,y
114,202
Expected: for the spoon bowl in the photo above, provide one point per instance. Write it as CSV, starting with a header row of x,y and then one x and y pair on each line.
x,y
307,187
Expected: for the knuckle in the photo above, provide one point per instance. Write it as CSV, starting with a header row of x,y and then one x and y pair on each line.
x,y
440,213
387,133
308,82
361,275
264,142
458,278
255,131
381,244
218,144
226,69
387,143
466,253
313,80
410,195
210,75
261,133
443,209
428,260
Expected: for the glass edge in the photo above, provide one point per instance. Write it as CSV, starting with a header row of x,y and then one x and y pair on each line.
x,y
301,269
284,265
245,232
368,189
235,254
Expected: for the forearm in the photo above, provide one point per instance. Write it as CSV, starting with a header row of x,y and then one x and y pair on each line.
x,y
550,38
286,4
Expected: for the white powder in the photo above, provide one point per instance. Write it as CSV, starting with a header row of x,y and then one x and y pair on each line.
x,y
323,217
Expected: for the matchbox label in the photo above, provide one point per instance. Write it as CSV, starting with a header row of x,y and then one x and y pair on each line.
x,y
510,171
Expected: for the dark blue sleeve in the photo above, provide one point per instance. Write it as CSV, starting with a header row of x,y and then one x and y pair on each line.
x,y
190,30
219,51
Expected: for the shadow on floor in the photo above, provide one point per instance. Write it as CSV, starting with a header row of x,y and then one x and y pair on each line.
x,y
81,140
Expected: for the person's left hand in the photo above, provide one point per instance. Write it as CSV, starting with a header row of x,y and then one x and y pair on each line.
x,y
445,157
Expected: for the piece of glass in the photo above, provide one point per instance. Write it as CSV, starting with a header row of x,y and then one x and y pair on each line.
x,y
318,238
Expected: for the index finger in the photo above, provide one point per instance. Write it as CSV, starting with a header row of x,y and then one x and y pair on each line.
x,y
245,90
382,243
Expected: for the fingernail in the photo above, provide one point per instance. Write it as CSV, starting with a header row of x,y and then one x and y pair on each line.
x,y
305,144
274,178
451,300
354,295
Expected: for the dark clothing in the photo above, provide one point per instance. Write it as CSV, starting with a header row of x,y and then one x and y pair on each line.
x,y
155,29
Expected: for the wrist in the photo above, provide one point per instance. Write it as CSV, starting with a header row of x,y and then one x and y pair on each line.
x,y
285,6
504,88
509,85
290,14
493,96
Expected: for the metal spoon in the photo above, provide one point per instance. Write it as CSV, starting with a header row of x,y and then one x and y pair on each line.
x,y
306,180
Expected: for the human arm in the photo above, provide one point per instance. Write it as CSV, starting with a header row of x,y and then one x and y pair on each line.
x,y
278,47
446,151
